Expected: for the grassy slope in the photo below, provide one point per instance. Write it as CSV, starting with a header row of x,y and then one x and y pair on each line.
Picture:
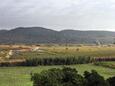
x,y
19,76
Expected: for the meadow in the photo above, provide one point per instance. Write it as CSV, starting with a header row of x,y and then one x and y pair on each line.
x,y
106,64
20,76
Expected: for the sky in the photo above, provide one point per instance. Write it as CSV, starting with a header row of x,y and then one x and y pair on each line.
x,y
58,14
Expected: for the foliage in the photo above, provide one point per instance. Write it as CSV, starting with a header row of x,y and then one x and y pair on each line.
x,y
111,81
20,76
58,61
94,79
58,77
69,77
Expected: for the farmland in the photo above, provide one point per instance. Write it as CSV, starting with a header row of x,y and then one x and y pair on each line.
x,y
106,64
63,51
20,76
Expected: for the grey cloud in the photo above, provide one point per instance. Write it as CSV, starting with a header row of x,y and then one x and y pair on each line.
x,y
58,14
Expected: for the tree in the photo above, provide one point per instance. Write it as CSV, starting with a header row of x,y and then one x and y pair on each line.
x,y
94,79
111,81
69,77
72,78
58,77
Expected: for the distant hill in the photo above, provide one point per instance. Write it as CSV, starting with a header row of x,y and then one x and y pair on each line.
x,y
42,35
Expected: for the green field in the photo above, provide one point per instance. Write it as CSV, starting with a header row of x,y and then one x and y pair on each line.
x,y
109,64
20,76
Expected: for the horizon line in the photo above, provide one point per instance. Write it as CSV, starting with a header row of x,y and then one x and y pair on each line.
x,y
8,29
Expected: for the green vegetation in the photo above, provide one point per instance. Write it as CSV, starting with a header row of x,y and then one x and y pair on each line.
x,y
56,55
112,81
65,55
106,64
20,76
58,77
58,61
68,77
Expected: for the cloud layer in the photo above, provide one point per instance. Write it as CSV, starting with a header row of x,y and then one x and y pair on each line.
x,y
58,14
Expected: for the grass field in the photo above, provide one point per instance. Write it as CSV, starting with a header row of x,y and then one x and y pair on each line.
x,y
20,76
57,51
109,64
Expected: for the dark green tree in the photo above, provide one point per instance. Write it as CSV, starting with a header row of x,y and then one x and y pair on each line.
x,y
94,79
58,77
72,78
111,81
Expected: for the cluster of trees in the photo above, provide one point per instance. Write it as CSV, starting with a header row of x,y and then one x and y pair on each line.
x,y
70,77
68,60
58,61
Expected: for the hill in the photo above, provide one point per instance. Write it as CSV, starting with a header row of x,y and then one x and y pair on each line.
x,y
43,35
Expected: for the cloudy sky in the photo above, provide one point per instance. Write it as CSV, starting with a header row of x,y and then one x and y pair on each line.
x,y
58,14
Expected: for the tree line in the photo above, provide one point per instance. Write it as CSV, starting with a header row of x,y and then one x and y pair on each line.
x,y
58,61
70,77
66,60
51,61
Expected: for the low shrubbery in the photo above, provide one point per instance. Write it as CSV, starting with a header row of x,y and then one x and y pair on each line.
x,y
69,77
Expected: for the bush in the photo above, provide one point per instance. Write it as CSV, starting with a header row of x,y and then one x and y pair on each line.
x,y
58,77
69,77
94,79
111,81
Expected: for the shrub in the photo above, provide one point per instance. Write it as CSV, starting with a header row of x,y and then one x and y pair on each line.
x,y
94,79
58,77
111,81
69,77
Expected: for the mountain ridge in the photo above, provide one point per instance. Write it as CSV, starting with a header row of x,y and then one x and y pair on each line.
x,y
29,35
